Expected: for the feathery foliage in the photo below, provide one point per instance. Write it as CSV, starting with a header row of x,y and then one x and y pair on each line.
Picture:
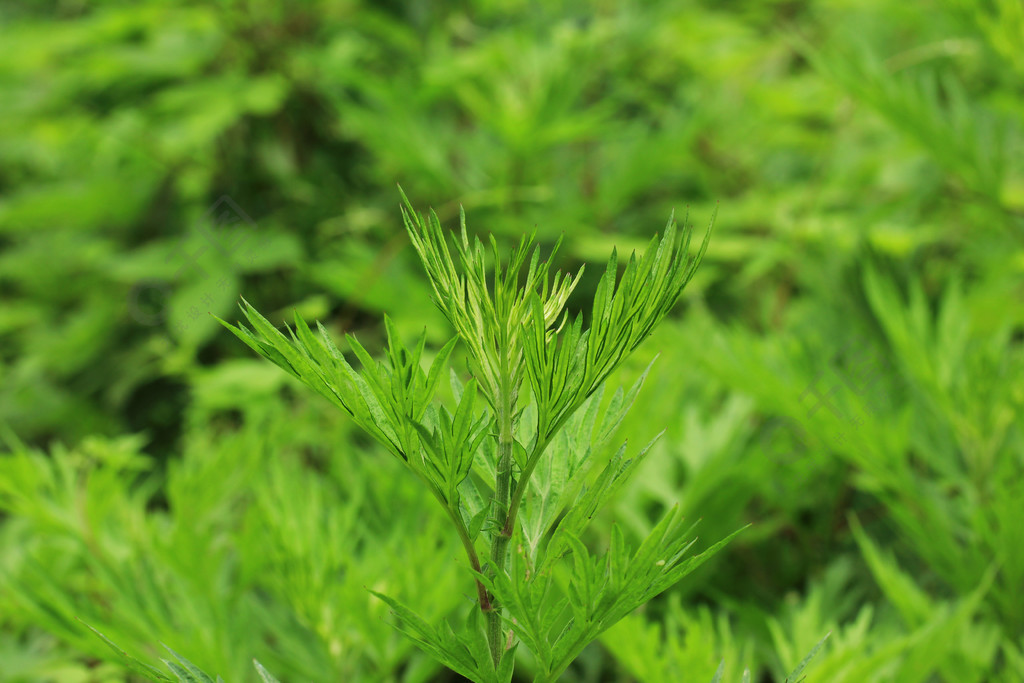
x,y
535,370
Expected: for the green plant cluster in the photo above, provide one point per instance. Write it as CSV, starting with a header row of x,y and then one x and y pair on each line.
x,y
842,374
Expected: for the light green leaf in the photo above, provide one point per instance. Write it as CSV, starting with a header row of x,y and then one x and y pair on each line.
x,y
265,675
192,673
135,665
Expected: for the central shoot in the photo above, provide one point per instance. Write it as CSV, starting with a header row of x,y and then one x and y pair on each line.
x,y
521,476
513,331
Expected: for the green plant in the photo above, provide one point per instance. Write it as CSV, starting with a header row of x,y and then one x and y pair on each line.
x,y
184,671
240,550
514,475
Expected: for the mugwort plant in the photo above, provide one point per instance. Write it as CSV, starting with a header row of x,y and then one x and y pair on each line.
x,y
514,461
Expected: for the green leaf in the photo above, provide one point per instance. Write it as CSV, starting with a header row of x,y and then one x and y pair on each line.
x,y
441,645
615,473
620,405
792,677
265,675
507,664
135,665
187,672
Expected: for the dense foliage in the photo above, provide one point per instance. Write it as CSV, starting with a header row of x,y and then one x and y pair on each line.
x,y
843,373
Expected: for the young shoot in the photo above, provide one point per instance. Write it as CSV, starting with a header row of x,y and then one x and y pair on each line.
x,y
512,462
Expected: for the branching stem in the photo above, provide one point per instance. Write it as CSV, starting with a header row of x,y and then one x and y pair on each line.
x,y
474,560
543,439
467,543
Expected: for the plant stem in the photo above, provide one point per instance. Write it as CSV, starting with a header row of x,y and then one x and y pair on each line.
x,y
543,439
524,479
506,514
499,544
467,543
474,561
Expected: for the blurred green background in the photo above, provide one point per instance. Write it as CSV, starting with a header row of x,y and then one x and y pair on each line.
x,y
846,371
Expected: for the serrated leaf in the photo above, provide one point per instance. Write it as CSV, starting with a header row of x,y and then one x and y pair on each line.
x,y
439,365
446,650
689,565
615,473
621,404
